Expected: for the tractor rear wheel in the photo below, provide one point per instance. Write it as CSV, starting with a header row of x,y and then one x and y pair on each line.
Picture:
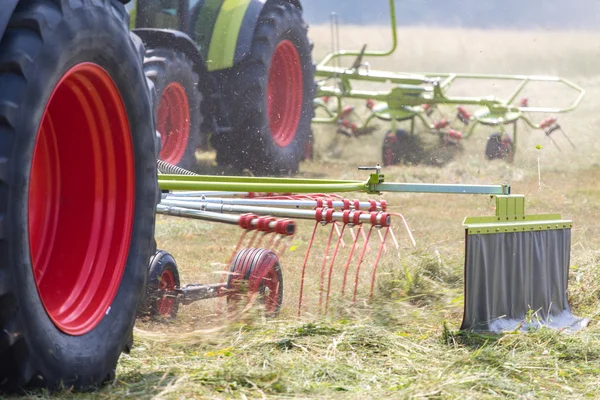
x,y
78,192
271,93
178,116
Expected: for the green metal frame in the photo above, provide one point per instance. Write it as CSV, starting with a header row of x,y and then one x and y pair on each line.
x,y
510,209
375,184
222,29
227,27
411,91
510,217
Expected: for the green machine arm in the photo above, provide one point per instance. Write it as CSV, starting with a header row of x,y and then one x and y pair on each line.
x,y
411,91
375,184
354,53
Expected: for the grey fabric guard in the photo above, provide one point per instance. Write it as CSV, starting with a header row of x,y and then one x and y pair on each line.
x,y
509,274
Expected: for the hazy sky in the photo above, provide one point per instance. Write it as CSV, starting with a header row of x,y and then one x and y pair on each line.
x,y
551,14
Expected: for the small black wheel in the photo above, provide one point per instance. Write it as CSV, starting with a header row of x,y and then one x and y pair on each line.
x,y
163,277
256,272
401,148
271,93
178,117
499,147
390,151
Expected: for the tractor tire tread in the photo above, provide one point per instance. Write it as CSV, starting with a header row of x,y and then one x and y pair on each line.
x,y
33,24
157,64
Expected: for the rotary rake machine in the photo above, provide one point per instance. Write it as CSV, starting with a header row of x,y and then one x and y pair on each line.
x,y
425,98
268,224
514,263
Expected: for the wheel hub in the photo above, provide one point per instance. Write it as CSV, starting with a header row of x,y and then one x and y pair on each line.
x,y
284,93
81,199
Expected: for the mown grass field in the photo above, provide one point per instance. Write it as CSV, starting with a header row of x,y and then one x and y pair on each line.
x,y
405,343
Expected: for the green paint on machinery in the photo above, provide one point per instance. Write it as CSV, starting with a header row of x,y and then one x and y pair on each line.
x,y
219,28
228,24
416,97
375,184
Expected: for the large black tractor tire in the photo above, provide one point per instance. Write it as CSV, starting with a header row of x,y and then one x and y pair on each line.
x,y
78,192
271,94
178,117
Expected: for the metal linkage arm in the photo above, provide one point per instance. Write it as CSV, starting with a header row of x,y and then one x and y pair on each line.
x,y
359,53
375,184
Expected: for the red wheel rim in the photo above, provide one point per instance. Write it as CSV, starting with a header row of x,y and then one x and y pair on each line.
x,y
390,140
507,148
81,199
173,123
389,157
265,279
271,286
284,93
241,264
166,304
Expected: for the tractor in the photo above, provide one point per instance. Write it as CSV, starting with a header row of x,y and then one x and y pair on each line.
x,y
237,74
82,106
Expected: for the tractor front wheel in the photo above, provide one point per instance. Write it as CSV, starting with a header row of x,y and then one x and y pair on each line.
x,y
78,192
178,116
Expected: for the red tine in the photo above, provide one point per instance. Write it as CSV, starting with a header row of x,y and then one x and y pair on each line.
x,y
360,260
349,260
335,252
322,283
312,238
377,262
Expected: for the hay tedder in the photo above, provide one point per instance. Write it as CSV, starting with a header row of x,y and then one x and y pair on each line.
x,y
426,98
80,189
515,263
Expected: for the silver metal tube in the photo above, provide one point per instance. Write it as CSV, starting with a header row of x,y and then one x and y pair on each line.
x,y
191,212
362,205
191,208
207,194
191,293
197,214
441,188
